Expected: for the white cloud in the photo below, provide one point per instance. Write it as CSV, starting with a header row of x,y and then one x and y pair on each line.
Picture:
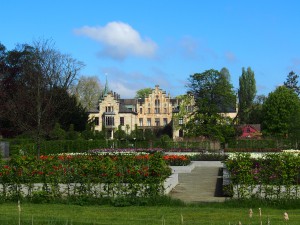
x,y
119,40
123,90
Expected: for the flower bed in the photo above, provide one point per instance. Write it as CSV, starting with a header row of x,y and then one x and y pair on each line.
x,y
170,159
117,174
249,150
124,151
273,175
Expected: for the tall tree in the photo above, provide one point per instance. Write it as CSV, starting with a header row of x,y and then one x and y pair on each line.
x,y
213,95
34,77
281,111
246,94
87,90
225,72
292,82
256,114
142,93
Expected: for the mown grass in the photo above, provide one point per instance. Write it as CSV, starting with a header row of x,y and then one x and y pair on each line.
x,y
209,213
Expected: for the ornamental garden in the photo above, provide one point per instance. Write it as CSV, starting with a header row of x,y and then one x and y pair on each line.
x,y
140,173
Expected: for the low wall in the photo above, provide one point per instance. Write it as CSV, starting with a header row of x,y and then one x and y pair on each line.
x,y
266,191
170,183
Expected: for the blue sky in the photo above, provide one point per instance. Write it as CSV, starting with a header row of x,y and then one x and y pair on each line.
x,y
139,44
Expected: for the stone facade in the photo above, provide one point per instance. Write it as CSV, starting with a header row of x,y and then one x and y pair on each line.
x,y
156,109
153,111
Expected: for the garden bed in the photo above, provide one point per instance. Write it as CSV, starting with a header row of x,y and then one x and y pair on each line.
x,y
269,176
90,175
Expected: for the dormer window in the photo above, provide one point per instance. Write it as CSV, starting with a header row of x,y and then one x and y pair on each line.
x,y
109,109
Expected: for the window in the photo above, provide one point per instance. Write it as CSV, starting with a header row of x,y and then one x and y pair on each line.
x,y
109,121
149,122
165,121
141,110
96,121
149,110
141,122
165,110
122,121
157,122
157,103
180,121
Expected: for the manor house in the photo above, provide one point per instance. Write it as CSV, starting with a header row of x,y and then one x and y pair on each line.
x,y
151,112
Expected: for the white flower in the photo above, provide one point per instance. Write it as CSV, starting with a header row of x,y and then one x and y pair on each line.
x,y
250,213
286,216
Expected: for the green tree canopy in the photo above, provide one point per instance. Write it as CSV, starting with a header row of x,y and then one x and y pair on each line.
x,y
213,95
281,111
292,82
246,94
256,113
142,93
34,83
87,91
225,72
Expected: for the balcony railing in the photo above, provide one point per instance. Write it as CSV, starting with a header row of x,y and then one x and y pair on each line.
x,y
109,113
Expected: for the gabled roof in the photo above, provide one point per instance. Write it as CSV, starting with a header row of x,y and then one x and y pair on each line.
x,y
93,111
128,101
254,126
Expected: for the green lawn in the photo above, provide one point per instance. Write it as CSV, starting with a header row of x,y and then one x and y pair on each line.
x,y
43,214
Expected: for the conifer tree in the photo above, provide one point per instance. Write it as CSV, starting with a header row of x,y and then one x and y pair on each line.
x,y
246,95
292,82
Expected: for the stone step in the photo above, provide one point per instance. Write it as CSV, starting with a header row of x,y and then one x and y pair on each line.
x,y
201,185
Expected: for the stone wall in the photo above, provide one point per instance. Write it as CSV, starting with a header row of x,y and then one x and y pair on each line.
x,y
4,149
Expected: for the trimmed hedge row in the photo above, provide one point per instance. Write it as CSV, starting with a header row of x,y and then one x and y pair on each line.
x,y
262,144
28,147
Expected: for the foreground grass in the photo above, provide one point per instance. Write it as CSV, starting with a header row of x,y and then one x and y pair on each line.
x,y
217,214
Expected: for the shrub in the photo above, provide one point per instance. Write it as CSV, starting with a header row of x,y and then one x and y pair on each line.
x,y
208,157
